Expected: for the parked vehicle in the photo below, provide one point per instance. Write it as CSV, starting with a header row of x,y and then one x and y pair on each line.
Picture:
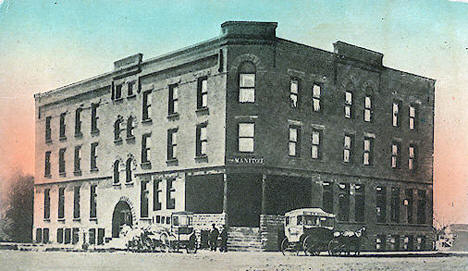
x,y
309,230
347,242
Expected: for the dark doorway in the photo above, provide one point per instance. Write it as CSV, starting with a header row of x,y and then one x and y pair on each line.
x,y
122,215
244,199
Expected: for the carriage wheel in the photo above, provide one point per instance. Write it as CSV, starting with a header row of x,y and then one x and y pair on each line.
x,y
309,247
191,248
165,244
288,248
334,248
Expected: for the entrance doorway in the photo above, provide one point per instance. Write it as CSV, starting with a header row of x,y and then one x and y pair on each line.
x,y
122,216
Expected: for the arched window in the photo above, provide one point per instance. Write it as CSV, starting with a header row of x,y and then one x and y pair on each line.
x,y
247,82
128,169
116,172
130,127
117,128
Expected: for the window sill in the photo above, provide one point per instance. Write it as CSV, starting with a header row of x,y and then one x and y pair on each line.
x,y
145,218
116,184
133,96
202,111
118,141
146,165
48,176
46,219
201,159
77,173
130,183
78,134
118,100
94,170
146,121
62,138
62,174
131,139
48,141
95,132
61,220
93,219
172,162
77,219
173,116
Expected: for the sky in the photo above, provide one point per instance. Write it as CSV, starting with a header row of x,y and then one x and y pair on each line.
x,y
47,44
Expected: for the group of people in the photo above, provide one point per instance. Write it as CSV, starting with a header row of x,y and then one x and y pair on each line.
x,y
213,238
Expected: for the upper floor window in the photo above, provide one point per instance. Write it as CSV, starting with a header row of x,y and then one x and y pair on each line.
x,y
316,138
117,128
145,148
412,157
421,207
146,114
130,88
202,92
294,93
118,92
62,126
47,164
412,116
396,113
395,155
170,191
156,195
247,82
94,118
294,140
202,139
395,205
61,203
128,170
173,103
93,202
348,105
48,129
116,171
316,97
62,161
368,108
93,157
381,204
144,199
78,122
77,162
347,148
360,200
46,203
171,144
130,128
368,151
76,202
246,137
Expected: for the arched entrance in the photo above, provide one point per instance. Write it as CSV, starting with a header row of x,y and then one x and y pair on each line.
x,y
122,215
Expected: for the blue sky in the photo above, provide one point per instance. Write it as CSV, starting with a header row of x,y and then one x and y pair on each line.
x,y
48,44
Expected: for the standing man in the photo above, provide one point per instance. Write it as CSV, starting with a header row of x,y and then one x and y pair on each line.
x,y
224,239
214,233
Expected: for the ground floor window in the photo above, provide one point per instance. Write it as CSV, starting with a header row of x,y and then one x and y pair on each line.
x,y
75,236
380,242
45,235
60,235
408,242
420,242
394,242
38,235
67,236
100,238
92,236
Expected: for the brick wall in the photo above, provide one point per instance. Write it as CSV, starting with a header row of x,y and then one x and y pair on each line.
x,y
271,229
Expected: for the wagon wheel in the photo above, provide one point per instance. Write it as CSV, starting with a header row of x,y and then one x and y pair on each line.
x,y
192,245
288,248
334,248
165,243
310,247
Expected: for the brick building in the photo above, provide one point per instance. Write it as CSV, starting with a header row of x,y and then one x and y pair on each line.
x,y
239,129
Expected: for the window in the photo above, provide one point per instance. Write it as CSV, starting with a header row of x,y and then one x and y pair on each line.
x,y
75,236
328,197
45,235
412,116
101,234
62,135
409,205
38,235
93,157
421,207
395,163
145,148
116,171
316,137
47,164
202,139
171,144
348,105
408,242
246,137
61,203
156,195
395,205
130,86
368,151
48,130
92,236
202,92
347,148
130,128
118,92
420,242
94,119
412,155
381,204
92,201
396,113
146,115
170,190
294,140
246,88
117,129
394,242
128,170
144,199
360,199
173,103
76,202
60,235
62,161
380,242
77,162
47,203
78,122
343,202
294,93
368,108
316,96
